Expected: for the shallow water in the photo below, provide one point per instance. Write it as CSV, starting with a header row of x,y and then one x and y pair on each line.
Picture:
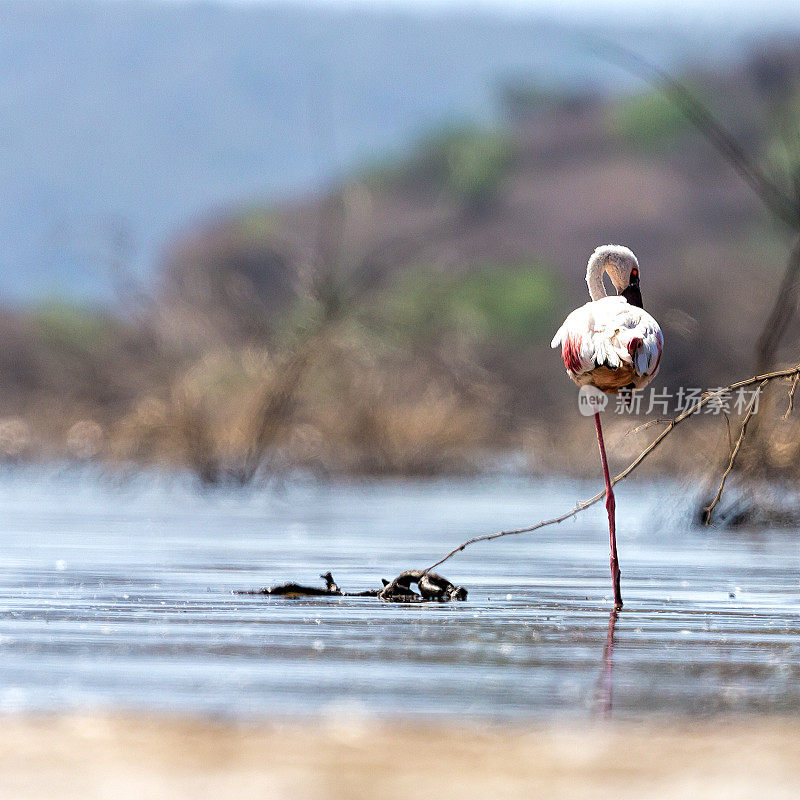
x,y
119,597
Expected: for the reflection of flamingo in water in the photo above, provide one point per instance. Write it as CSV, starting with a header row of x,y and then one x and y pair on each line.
x,y
607,676
613,344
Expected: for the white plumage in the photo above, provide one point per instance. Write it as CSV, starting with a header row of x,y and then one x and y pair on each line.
x,y
609,342
610,332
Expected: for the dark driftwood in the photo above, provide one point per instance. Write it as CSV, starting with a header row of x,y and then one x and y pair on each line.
x,y
430,585
432,588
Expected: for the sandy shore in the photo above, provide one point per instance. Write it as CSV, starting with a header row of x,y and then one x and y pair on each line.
x,y
128,757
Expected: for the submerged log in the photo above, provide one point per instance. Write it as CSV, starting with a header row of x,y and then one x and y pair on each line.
x,y
292,589
431,587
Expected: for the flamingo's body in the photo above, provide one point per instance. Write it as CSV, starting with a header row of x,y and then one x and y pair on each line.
x,y
611,343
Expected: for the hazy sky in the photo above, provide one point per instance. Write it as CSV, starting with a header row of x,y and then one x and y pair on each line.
x,y
724,11
756,14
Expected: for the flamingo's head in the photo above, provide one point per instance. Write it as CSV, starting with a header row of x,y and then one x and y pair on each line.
x,y
618,262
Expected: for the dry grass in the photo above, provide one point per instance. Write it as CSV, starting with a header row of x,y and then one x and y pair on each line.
x,y
343,407
332,406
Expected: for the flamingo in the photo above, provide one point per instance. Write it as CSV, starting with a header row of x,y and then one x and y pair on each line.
x,y
613,344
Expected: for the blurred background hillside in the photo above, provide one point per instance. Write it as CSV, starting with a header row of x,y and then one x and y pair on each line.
x,y
341,237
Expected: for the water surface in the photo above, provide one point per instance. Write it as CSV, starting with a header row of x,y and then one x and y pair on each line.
x,y
119,597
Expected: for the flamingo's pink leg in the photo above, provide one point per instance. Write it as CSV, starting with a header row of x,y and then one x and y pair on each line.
x,y
611,508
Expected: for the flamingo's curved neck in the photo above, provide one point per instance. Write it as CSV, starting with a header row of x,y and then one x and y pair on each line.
x,y
594,278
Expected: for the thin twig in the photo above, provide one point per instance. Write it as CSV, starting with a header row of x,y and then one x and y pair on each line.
x,y
673,423
781,314
790,407
645,425
728,427
735,452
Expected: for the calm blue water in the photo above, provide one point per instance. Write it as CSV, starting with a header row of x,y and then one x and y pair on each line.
x,y
119,597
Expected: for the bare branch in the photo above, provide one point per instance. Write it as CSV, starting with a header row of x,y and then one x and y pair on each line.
x,y
735,452
781,314
645,425
790,407
276,405
673,423
728,427
776,201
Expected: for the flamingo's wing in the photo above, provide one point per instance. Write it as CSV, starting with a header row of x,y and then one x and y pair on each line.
x,y
575,339
609,332
643,342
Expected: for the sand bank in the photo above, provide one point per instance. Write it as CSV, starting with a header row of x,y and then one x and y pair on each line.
x,y
132,757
